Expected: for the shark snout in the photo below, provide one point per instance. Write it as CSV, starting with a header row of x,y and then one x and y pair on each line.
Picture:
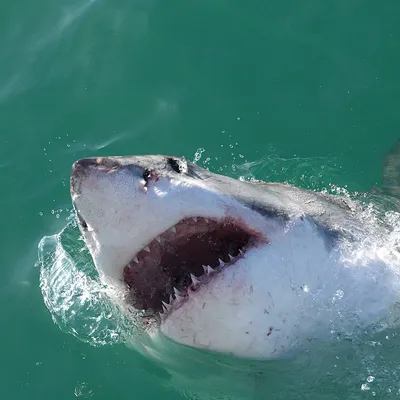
x,y
85,166
100,163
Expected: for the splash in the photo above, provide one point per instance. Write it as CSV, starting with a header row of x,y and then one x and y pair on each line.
x,y
78,303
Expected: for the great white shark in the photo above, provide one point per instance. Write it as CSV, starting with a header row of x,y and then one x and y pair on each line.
x,y
251,269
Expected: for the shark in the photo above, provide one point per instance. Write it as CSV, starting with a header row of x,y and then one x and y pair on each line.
x,y
250,269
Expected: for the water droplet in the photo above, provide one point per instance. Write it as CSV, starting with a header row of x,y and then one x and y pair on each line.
x,y
198,154
339,294
82,390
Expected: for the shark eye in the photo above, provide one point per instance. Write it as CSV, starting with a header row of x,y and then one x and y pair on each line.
x,y
178,165
174,164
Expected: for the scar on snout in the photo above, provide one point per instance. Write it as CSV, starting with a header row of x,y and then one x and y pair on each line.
x,y
270,330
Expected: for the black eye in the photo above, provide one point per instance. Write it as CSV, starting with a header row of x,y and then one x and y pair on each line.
x,y
174,164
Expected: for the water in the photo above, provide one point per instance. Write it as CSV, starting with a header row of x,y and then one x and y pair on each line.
x,y
300,92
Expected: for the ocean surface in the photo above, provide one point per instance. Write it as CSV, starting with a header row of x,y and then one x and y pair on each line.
x,y
304,92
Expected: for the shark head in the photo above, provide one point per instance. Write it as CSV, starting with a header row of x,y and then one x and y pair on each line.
x,y
221,264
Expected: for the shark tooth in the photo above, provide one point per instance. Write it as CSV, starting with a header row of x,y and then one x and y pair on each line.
x,y
194,280
194,219
221,263
147,249
166,306
210,270
230,257
158,238
240,251
171,299
162,316
178,294
135,259
207,220
173,229
205,268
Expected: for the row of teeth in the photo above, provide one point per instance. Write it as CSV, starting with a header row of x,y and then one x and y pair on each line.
x,y
158,238
195,282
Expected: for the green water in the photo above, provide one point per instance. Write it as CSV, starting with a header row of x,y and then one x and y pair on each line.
x,y
306,92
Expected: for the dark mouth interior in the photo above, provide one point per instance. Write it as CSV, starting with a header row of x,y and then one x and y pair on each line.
x,y
167,263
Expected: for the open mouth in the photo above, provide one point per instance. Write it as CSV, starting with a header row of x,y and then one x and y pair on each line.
x,y
183,259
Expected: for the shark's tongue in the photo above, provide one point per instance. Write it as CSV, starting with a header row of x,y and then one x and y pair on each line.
x,y
170,264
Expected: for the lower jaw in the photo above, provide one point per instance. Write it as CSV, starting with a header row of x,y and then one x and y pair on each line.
x,y
180,297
